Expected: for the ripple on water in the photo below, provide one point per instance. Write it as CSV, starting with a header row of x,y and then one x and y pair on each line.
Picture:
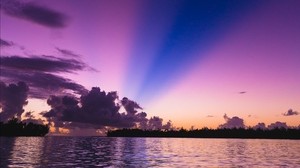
x,y
147,152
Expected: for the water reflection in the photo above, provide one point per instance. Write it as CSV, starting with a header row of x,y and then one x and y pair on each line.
x,y
6,145
146,152
129,152
27,151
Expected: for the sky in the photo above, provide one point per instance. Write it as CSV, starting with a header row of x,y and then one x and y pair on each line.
x,y
196,63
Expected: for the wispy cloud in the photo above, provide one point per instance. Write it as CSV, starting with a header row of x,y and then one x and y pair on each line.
x,y
41,63
34,13
67,52
4,43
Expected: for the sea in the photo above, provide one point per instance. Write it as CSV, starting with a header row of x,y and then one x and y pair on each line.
x,y
51,151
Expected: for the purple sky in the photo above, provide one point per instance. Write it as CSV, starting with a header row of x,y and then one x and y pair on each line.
x,y
180,60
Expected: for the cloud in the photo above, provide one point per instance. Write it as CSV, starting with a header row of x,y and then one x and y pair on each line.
x,y
30,118
234,122
130,106
261,126
34,13
12,99
93,110
154,123
290,112
4,43
43,84
67,52
209,116
277,124
28,114
41,74
41,63
97,109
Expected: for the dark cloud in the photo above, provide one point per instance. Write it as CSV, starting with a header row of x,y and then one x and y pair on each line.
x,y
67,52
30,118
28,114
12,99
130,106
209,116
99,110
234,122
290,112
278,124
43,84
96,109
4,43
41,74
41,63
34,13
243,92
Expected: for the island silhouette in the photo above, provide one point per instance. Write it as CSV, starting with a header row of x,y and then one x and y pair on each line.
x,y
249,133
14,127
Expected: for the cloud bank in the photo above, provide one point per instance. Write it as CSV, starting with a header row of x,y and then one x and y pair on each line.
x,y
96,109
278,125
34,13
236,122
99,109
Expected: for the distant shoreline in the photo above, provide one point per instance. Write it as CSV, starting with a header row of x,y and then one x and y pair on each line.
x,y
209,133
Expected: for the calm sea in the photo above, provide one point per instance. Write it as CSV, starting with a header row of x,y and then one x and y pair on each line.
x,y
147,152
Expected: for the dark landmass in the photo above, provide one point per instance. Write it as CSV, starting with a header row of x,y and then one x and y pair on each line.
x,y
15,128
210,133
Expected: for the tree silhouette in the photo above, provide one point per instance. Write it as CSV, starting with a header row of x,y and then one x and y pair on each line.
x,y
14,127
279,133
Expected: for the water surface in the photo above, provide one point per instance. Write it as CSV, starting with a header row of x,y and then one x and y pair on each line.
x,y
147,152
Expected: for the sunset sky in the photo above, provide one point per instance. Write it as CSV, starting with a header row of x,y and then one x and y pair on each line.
x,y
190,62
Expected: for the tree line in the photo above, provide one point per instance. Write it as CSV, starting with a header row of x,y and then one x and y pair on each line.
x,y
14,127
278,133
